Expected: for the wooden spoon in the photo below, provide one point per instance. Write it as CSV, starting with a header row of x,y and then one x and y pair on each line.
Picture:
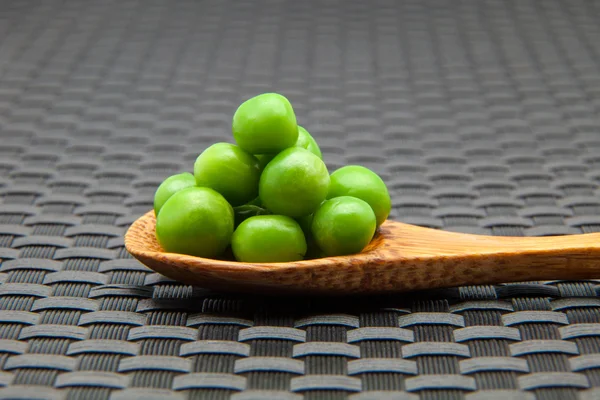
x,y
400,258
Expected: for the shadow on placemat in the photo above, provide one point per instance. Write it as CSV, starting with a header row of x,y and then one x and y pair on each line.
x,y
198,299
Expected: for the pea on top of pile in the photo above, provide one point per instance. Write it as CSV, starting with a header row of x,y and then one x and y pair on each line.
x,y
270,197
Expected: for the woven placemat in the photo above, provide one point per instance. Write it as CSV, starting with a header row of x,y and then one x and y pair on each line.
x,y
481,116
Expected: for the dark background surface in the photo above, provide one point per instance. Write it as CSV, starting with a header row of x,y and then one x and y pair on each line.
x,y
481,116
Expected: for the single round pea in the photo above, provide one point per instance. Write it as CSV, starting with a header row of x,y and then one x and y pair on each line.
x,y
196,221
265,124
361,182
294,183
268,238
170,186
230,171
343,225
306,141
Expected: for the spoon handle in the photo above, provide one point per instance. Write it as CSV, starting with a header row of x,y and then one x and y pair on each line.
x,y
440,258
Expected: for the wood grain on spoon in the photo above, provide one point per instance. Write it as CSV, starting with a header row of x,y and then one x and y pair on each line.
x,y
400,258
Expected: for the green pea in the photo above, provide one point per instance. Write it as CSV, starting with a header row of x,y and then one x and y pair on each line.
x,y
268,238
294,183
170,186
361,182
230,171
265,124
306,141
343,225
195,221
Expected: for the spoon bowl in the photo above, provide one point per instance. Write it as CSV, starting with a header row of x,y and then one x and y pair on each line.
x,y
400,258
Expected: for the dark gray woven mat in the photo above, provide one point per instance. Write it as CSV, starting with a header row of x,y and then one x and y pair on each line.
x,y
482,116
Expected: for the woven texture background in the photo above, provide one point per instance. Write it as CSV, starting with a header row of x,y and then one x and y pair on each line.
x,y
482,117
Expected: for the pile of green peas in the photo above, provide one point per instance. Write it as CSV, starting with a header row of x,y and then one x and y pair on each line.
x,y
269,197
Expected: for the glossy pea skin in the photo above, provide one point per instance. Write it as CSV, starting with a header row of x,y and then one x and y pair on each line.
x,y
170,186
195,221
268,239
358,181
343,225
294,183
265,124
230,171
